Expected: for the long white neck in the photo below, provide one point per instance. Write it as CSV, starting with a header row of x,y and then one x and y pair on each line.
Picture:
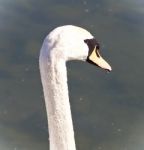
x,y
54,81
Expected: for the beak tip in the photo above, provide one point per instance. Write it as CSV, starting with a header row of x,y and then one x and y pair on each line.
x,y
109,69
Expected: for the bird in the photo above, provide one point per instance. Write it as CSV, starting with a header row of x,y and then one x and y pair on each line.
x,y
62,44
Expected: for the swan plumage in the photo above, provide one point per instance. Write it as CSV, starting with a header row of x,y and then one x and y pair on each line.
x,y
62,44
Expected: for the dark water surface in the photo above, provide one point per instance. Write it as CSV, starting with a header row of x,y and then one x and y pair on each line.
x,y
108,109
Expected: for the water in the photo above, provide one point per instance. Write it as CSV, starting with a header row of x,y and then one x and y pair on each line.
x,y
107,109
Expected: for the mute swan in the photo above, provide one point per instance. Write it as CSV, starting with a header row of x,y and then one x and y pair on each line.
x,y
62,44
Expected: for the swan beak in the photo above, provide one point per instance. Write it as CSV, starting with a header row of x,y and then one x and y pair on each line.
x,y
96,59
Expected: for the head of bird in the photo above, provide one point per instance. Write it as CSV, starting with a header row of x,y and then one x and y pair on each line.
x,y
75,43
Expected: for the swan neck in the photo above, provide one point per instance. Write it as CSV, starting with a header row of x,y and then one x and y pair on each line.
x,y
54,81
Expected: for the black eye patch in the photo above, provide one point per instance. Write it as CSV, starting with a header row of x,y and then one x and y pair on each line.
x,y
92,43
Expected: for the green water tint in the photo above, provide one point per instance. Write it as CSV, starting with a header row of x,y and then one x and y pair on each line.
x,y
107,109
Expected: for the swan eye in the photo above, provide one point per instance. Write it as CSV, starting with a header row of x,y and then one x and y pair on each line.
x,y
98,46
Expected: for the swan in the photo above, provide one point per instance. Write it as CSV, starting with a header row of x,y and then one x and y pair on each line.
x,y
62,44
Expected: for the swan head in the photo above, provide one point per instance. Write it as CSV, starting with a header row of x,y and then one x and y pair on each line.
x,y
75,43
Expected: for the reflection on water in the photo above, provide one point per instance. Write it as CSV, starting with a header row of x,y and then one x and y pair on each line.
x,y
107,110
